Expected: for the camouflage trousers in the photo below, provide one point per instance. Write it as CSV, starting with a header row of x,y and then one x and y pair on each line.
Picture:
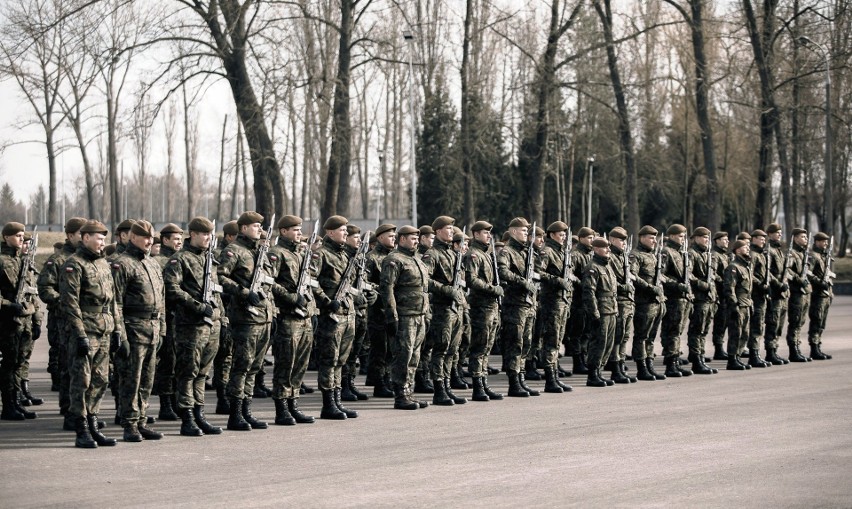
x,y
739,318
250,343
426,350
334,342
776,313
463,350
553,318
136,378
224,357
405,349
195,348
89,375
25,350
445,332
602,342
699,326
291,347
54,337
484,323
720,323
623,328
579,330
350,368
817,313
535,351
164,380
677,312
517,332
796,314
377,364
11,337
646,324
758,323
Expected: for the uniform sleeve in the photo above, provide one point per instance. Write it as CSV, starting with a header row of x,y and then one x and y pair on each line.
x,y
48,282
119,280
504,266
319,262
590,282
227,262
472,264
69,291
390,273
173,280
730,287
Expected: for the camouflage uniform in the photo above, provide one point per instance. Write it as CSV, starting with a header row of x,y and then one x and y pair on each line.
x,y
705,303
555,299
800,296
446,326
626,303
224,355
778,294
518,312
16,326
164,379
484,313
820,298
678,299
599,301
426,348
720,317
759,294
377,365
578,331
738,285
650,304
140,298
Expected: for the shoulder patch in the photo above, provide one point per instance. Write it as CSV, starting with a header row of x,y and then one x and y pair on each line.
x,y
116,266
273,257
315,256
49,263
426,256
173,261
230,254
69,269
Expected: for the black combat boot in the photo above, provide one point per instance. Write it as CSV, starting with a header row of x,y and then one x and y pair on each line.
x,y
672,367
649,363
580,367
698,366
594,379
350,414
401,400
202,422
458,400
773,357
420,385
222,407
522,380
10,410
495,371
550,384
236,422
346,393
84,437
25,391
68,423
100,439
734,364
719,353
642,372
148,433
515,388
188,428
530,371
381,389
54,382
796,354
260,388
305,389
680,363
131,433
562,372
755,361
479,390
623,367
282,414
353,388
617,376
490,393
816,354
293,406
440,397
167,411
565,387
329,408
456,380
17,403
255,424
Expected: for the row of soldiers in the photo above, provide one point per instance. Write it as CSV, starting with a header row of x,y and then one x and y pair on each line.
x,y
419,300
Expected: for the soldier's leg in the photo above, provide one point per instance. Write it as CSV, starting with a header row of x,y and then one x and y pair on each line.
x,y
699,317
224,357
817,313
402,348
164,380
9,349
377,363
669,328
80,377
261,345
99,374
720,325
327,350
303,342
441,330
796,314
643,320
418,335
187,356
53,338
478,359
513,337
245,345
25,347
453,344
757,324
283,350
347,338
146,382
608,324
64,376
205,359
129,371
350,368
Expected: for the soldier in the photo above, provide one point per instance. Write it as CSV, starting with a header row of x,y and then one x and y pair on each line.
x,y
677,285
800,294
422,378
518,306
48,291
171,237
336,324
140,322
32,331
705,303
363,300
222,361
760,288
779,292
16,320
485,295
404,281
821,280
650,304
720,319
122,237
737,292
599,301
250,314
555,302
625,299
377,363
533,357
197,315
578,331
87,299
155,247
293,339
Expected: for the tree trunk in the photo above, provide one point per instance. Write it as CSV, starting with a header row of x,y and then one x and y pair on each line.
x,y
190,171
112,164
51,168
467,145
218,215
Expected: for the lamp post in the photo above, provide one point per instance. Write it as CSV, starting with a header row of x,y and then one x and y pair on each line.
x,y
590,169
409,38
829,198
381,194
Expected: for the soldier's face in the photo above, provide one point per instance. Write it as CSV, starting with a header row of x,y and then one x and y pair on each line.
x,y
759,241
702,240
615,241
723,242
74,238
602,251
354,240
155,249
94,242
483,236
142,242
445,234
338,235
820,244
252,231
200,240
519,233
744,251
124,237
587,240
409,241
15,241
649,241
801,239
173,240
539,241
427,240
388,239
293,234
775,236
679,238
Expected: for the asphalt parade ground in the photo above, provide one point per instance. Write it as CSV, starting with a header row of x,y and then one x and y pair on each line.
x,y
775,437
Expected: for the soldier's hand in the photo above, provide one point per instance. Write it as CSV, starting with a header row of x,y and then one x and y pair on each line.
x,y
254,298
529,286
596,321
208,310
334,306
372,297
301,301
18,309
360,300
36,332
457,295
114,341
785,287
658,291
123,349
704,286
683,288
82,346
391,328
498,291
563,283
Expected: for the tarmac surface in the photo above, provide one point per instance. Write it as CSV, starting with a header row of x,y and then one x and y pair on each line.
x,y
776,437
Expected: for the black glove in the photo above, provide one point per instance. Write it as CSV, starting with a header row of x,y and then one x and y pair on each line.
x,y
372,297
498,291
563,283
123,349
114,342
208,311
36,332
596,322
360,301
254,298
18,308
391,328
457,295
529,286
334,306
784,287
82,346
301,301
683,288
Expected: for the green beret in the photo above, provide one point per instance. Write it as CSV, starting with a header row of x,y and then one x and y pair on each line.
x,y
481,225
499,244
426,230
676,229
821,236
442,221
407,230
758,233
456,230
648,230
743,236
539,232
170,229
387,227
157,240
143,228
200,224
585,232
74,224
94,226
352,229
700,232
505,237
289,221
720,234
13,228
557,226
799,231
619,233
335,222
739,244
519,222
124,226
249,217
230,228
58,245
600,242
773,228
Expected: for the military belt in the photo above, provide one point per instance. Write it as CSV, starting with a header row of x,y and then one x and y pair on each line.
x,y
94,309
142,313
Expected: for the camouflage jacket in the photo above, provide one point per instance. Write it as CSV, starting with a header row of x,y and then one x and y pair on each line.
x,y
441,262
760,283
776,260
702,259
581,255
403,286
646,268
375,257
48,279
551,268
673,270
165,254
626,292
287,266
184,279
599,288
87,294
799,284
511,265
479,275
331,261
140,296
10,270
817,274
721,259
738,281
236,268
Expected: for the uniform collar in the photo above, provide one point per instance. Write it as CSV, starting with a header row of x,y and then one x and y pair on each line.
x,y
135,252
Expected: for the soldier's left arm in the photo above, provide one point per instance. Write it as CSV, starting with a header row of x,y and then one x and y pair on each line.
x,y
590,282
119,281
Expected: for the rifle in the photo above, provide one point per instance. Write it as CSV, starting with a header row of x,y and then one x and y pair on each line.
x,y
658,268
530,273
259,276
27,264
305,278
345,288
210,287
628,248
788,262
567,273
711,266
807,258
686,267
458,272
496,271
829,262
